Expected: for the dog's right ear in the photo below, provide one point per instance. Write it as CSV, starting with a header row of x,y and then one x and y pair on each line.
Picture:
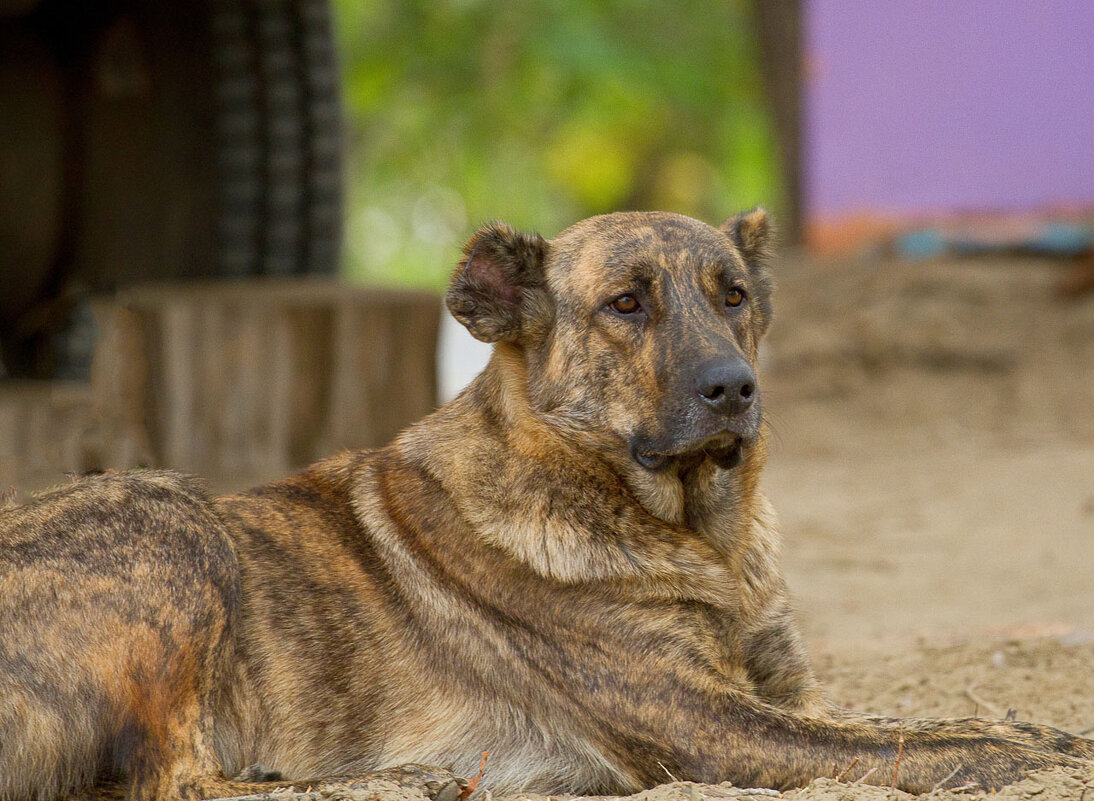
x,y
493,283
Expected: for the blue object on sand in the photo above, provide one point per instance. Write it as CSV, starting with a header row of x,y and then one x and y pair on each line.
x,y
1050,239
928,243
1059,239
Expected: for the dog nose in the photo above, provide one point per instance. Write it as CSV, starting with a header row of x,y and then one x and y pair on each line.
x,y
728,386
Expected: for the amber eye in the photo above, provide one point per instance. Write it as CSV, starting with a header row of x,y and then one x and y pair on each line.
x,y
625,304
735,298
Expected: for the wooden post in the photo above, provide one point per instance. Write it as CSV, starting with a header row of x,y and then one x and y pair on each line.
x,y
248,381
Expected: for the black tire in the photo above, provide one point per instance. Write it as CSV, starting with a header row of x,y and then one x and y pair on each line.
x,y
279,137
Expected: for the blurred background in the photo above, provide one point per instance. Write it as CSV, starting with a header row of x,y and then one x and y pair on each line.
x,y
543,113
225,226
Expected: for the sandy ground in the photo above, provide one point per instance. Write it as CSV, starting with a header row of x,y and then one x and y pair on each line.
x,y
933,463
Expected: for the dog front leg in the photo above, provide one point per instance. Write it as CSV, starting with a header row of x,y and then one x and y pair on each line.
x,y
913,757
733,737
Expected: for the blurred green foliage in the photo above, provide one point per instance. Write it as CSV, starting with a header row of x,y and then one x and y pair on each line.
x,y
542,112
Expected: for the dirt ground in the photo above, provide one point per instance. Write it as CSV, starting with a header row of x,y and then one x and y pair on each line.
x,y
933,464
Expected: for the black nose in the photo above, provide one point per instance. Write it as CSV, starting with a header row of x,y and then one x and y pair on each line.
x,y
727,385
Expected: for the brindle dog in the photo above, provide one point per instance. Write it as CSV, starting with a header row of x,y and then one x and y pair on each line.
x,y
570,566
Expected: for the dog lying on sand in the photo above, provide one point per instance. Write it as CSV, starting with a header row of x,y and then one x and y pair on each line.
x,y
569,566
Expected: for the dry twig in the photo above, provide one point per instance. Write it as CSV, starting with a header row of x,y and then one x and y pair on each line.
x,y
970,693
840,776
861,779
899,754
942,783
964,787
465,793
667,771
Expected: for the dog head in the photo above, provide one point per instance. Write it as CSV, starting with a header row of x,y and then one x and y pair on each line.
x,y
639,329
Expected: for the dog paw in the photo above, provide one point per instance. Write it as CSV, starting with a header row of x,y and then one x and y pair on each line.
x,y
986,769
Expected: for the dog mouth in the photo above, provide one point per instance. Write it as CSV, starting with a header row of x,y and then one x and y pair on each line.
x,y
726,450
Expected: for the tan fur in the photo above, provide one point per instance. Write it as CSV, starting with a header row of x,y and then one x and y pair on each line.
x,y
570,566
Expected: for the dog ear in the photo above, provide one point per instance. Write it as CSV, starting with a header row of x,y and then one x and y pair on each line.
x,y
751,231
753,234
493,283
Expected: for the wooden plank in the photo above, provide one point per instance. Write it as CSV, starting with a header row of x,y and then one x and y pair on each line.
x,y
252,379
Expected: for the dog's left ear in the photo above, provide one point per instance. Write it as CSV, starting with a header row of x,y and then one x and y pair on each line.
x,y
752,232
496,282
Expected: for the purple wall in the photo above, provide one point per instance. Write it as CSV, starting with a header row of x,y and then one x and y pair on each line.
x,y
927,106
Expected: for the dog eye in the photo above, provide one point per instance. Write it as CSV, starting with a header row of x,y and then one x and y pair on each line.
x,y
625,304
735,297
